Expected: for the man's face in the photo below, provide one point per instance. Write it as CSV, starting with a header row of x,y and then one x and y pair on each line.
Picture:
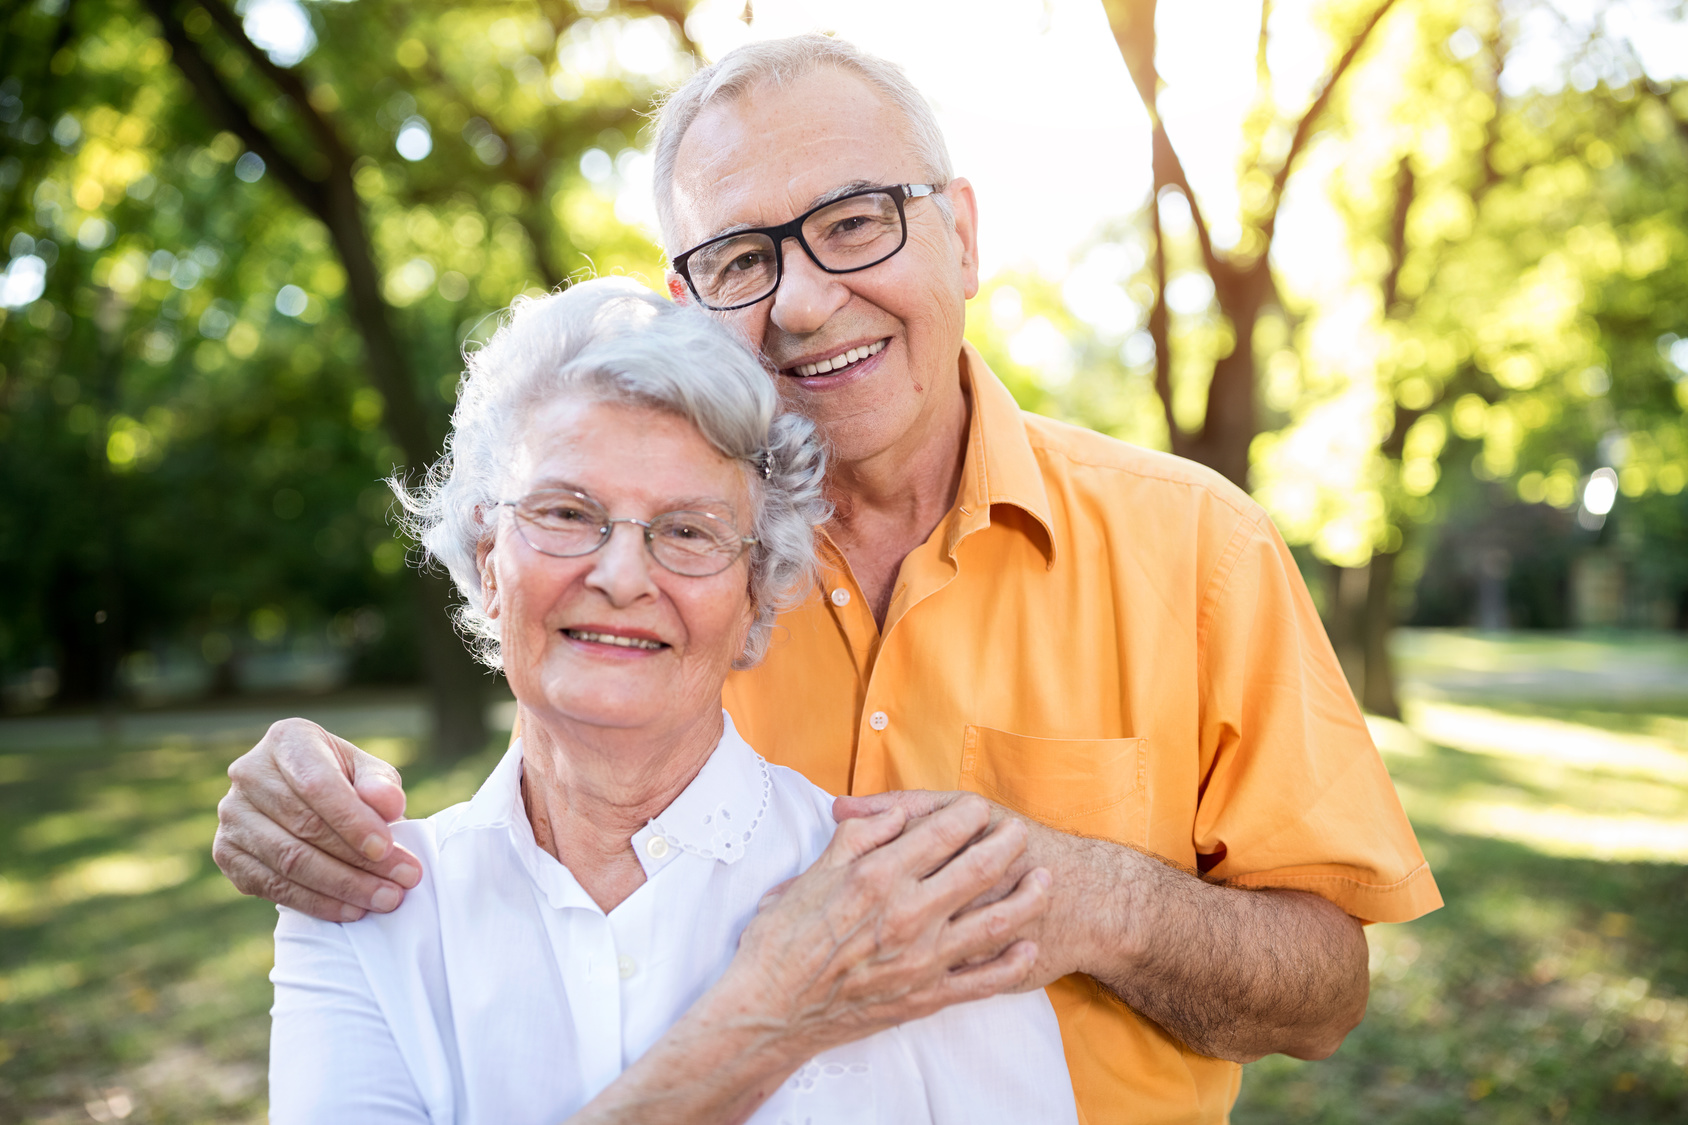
x,y
769,157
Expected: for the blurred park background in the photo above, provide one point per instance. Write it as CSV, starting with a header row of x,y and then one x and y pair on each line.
x,y
1415,272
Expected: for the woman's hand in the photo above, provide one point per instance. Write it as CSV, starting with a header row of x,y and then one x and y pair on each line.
x,y
305,824
875,933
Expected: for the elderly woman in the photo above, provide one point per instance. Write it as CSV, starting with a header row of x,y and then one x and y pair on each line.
x,y
624,512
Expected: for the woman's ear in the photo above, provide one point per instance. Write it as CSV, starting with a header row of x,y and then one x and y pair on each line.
x,y
487,564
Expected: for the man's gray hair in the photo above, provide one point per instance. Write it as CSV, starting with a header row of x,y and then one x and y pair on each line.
x,y
777,62
614,341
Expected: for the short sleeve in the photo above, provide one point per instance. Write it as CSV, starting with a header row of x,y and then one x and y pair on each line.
x,y
333,1057
1294,793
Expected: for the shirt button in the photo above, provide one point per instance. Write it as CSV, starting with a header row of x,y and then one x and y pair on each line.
x,y
879,720
656,847
626,966
841,597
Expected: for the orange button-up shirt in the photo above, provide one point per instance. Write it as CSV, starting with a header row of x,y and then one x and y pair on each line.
x,y
1115,642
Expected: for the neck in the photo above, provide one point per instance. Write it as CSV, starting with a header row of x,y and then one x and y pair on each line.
x,y
888,503
587,790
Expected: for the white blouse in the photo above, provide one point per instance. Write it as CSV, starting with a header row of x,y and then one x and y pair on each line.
x,y
500,993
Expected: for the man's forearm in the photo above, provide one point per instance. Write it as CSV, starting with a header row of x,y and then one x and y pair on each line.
x,y
1232,973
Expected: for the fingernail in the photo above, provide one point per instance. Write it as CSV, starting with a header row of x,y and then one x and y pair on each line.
x,y
385,899
405,875
350,914
1042,878
375,847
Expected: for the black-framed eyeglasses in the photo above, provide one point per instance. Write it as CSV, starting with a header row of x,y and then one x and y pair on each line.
x,y
567,524
850,233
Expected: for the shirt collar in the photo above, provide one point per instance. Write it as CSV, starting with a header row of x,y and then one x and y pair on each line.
x,y
1000,466
715,817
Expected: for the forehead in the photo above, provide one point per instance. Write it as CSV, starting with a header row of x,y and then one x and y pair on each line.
x,y
762,158
615,450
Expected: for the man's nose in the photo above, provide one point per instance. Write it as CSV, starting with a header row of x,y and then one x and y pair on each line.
x,y
621,568
807,296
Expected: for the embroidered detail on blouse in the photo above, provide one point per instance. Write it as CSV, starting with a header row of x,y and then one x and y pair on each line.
x,y
727,839
812,1072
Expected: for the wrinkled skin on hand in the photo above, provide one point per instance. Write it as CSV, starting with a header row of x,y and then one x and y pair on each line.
x,y
305,822
876,932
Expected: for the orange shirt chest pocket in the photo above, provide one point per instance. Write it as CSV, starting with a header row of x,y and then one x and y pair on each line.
x,y
1086,786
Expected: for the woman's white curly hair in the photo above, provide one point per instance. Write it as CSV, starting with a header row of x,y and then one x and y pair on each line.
x,y
612,340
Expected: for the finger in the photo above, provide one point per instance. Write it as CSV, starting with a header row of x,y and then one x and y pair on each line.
x,y
976,870
915,802
1005,973
257,831
299,862
931,841
252,877
774,893
377,782
985,932
316,765
858,836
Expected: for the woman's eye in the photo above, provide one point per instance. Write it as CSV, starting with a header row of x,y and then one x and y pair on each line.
x,y
564,513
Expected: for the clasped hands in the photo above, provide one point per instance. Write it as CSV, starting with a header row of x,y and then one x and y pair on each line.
x,y
920,901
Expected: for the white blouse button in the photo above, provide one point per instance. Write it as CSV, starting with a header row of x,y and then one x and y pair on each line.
x,y
627,966
841,597
656,847
879,720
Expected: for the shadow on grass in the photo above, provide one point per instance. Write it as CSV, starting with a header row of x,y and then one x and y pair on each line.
x,y
133,977
1546,990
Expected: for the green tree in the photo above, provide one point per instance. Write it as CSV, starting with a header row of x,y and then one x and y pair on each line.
x,y
243,253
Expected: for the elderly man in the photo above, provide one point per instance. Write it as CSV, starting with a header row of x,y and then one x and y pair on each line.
x,y
1110,643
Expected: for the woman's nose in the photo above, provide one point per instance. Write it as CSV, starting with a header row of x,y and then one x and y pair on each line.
x,y
621,568
807,296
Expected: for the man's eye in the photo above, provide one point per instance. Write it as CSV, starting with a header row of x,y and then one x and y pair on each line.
x,y
750,260
849,226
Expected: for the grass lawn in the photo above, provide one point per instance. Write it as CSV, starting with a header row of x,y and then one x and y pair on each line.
x,y
1550,799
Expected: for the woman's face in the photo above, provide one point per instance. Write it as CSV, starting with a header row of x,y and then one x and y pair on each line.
x,y
555,612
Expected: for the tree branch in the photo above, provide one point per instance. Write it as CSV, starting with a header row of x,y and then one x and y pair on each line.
x,y
1304,127
1133,25
283,79
1158,332
228,110
1405,189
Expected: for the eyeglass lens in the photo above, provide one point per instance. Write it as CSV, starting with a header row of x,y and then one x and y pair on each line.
x,y
566,524
851,234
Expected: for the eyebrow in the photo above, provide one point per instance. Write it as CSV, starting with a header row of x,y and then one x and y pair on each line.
x,y
675,504
820,200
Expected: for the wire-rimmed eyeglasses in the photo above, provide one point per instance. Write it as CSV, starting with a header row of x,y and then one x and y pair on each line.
x,y
847,234
567,524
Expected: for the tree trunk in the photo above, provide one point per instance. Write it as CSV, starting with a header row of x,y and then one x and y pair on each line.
x,y
457,685
1377,694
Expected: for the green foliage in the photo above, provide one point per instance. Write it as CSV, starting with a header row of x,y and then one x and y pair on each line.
x,y
189,438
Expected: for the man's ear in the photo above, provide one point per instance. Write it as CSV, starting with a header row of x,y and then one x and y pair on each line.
x,y
966,206
677,289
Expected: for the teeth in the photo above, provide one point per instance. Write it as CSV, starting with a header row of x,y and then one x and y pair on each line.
x,y
611,639
839,362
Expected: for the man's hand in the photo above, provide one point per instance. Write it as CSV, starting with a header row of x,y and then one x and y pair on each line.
x,y
1232,973
305,824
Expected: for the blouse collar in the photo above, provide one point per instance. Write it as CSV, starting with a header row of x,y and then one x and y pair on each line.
x,y
715,817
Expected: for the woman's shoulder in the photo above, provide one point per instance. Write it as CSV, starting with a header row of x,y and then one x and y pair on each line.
x,y
804,808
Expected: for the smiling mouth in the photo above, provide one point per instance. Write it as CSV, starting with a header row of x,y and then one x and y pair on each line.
x,y
838,362
612,639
